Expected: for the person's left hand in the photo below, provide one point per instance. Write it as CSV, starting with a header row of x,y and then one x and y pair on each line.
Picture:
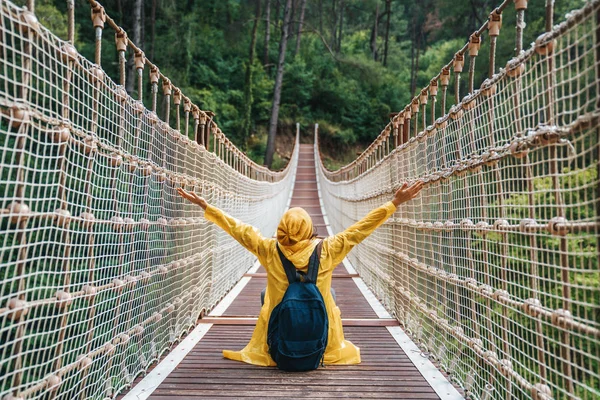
x,y
406,192
193,197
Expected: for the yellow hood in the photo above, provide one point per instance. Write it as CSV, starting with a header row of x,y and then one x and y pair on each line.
x,y
295,236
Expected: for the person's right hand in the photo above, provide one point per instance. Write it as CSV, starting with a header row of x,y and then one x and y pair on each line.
x,y
406,192
193,197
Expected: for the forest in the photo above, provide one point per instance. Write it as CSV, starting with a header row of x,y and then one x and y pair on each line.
x,y
263,65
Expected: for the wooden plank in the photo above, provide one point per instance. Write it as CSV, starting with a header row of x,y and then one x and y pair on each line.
x,y
335,276
303,196
274,376
305,203
225,320
291,386
307,394
385,372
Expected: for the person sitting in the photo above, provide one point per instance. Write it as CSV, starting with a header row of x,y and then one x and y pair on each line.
x,y
297,239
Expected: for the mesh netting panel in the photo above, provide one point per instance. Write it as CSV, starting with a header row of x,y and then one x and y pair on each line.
x,y
102,265
493,270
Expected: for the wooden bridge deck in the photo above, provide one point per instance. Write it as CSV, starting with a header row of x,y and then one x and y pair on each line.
x,y
385,372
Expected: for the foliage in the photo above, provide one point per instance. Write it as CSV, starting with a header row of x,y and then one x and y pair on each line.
x,y
203,48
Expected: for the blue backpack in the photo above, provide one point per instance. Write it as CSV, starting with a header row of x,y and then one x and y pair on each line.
x,y
298,327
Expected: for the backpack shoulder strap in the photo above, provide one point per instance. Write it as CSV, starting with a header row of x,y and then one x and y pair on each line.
x,y
313,264
290,270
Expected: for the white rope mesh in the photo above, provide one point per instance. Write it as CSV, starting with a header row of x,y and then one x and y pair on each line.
x,y
102,265
493,270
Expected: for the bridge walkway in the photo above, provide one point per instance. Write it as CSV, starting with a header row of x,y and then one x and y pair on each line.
x,y
385,372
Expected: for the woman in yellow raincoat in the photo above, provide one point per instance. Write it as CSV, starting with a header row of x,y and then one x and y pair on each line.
x,y
297,241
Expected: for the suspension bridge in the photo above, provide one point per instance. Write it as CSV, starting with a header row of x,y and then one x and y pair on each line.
x,y
487,286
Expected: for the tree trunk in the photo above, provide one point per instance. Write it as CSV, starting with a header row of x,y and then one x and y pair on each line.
x,y
228,14
302,9
293,16
153,28
278,85
136,37
388,10
412,63
333,39
248,100
267,31
417,48
341,19
321,16
120,11
143,26
374,34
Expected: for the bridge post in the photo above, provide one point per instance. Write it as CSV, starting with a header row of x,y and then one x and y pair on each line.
x,y
218,144
154,76
444,81
202,129
223,150
396,128
415,110
214,129
98,18
386,141
177,103
374,156
196,116
407,117
457,63
167,89
474,45
520,6
400,131
433,90
423,98
494,25
187,107
210,127
140,62
121,44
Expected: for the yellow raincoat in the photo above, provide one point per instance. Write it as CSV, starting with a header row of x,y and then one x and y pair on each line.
x,y
297,244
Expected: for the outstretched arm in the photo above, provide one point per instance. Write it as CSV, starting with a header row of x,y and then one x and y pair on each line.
x,y
341,244
247,235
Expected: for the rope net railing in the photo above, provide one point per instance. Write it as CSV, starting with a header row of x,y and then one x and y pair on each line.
x,y
493,270
102,265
